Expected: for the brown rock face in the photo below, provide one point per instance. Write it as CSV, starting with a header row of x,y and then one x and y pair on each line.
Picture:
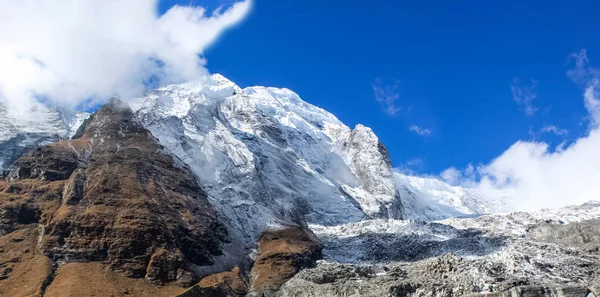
x,y
234,282
281,254
225,284
95,279
112,194
24,272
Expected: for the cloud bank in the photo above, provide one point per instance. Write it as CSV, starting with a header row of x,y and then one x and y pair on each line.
x,y
532,175
81,52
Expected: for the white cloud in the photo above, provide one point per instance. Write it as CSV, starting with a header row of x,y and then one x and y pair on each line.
x,y
387,95
452,176
524,94
555,130
78,51
533,175
420,130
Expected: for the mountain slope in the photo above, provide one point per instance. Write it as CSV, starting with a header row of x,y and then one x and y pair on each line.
x,y
268,158
113,194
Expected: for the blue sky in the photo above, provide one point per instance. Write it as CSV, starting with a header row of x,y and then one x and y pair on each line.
x,y
451,65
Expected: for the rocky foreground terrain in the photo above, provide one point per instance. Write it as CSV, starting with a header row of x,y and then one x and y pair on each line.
x,y
208,189
550,253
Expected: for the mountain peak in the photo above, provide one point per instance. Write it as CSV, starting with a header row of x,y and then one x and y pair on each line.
x,y
217,77
215,85
114,119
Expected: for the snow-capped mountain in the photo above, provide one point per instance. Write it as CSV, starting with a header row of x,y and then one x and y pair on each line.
x,y
268,158
42,125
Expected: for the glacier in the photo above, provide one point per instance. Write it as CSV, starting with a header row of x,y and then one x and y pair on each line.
x,y
548,252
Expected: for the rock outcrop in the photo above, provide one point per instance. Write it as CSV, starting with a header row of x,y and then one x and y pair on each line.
x,y
232,283
281,254
585,234
113,194
370,161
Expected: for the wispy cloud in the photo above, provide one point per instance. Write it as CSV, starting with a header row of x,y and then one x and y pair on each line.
x,y
589,78
582,73
554,129
524,94
387,95
420,130
411,167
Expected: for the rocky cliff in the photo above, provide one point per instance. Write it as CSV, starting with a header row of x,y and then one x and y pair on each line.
x,y
112,194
